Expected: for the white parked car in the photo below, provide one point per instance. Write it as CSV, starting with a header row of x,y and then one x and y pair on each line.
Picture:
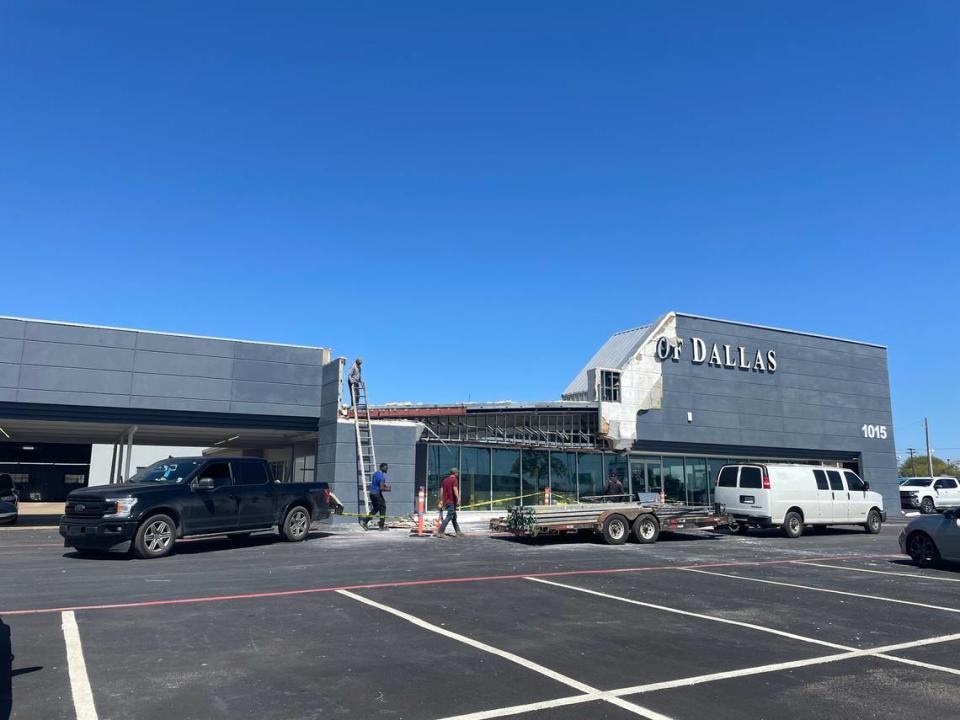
x,y
793,496
928,539
929,494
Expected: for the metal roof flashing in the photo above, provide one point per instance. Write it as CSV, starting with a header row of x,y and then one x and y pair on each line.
x,y
778,329
160,332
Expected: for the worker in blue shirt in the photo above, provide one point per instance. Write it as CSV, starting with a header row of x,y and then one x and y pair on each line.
x,y
378,486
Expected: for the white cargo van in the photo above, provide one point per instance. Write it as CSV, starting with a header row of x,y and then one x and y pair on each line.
x,y
792,496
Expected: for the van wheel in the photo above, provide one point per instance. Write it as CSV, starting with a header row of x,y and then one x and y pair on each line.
x,y
155,537
792,524
927,507
615,529
873,523
646,529
296,524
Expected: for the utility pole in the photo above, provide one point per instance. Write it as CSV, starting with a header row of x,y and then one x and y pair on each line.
x,y
911,452
926,430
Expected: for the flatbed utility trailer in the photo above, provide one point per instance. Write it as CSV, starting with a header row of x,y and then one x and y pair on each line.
x,y
614,522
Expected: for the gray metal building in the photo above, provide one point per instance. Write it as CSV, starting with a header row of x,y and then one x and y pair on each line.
x,y
661,406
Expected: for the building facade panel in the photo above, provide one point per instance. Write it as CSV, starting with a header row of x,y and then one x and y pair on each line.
x,y
65,379
824,404
80,335
11,350
168,363
92,357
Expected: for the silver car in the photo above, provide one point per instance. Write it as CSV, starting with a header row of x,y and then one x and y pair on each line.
x,y
930,539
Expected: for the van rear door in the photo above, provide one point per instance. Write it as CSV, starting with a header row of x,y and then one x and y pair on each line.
x,y
751,494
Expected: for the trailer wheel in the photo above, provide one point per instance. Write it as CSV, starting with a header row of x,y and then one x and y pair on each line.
x,y
615,529
646,529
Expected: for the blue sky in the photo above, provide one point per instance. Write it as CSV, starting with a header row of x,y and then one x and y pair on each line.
x,y
473,196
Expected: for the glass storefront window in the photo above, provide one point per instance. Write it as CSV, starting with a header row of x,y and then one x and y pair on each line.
x,y
590,474
616,466
673,480
695,476
506,478
563,476
440,459
536,476
475,477
713,470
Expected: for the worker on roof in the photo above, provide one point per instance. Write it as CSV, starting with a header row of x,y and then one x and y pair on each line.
x,y
355,381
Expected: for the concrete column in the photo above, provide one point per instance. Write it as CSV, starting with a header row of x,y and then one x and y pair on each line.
x,y
126,472
113,465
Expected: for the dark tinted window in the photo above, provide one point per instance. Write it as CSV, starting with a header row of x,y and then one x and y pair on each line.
x,y
219,471
945,484
821,477
751,477
728,477
854,482
836,483
250,472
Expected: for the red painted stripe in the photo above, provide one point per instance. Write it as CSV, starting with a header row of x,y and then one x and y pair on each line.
x,y
435,581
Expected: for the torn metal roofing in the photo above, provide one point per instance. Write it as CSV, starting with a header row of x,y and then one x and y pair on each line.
x,y
614,353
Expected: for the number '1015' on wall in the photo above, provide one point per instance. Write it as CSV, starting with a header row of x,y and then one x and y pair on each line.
x,y
874,431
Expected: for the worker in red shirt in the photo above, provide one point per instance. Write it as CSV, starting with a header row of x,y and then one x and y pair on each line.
x,y
449,500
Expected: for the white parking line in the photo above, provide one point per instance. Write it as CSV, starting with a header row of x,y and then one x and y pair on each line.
x,y
851,651
519,709
79,682
775,667
880,572
701,616
859,596
592,693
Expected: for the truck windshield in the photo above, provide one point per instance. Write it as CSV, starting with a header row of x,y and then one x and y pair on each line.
x,y
917,482
166,472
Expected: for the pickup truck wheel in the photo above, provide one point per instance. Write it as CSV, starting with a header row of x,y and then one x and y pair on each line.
x,y
296,524
927,507
615,529
155,537
873,523
792,524
646,529
922,550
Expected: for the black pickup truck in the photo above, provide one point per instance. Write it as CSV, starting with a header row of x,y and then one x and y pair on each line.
x,y
180,497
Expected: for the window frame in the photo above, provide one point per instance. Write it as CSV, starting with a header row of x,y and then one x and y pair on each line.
x,y
818,474
238,477
759,471
839,475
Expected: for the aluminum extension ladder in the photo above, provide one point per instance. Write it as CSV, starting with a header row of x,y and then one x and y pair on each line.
x,y
366,453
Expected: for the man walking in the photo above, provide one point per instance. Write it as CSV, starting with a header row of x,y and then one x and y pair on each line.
x,y
355,381
378,486
449,500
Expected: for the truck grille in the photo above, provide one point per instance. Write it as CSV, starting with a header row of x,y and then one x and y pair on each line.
x,y
85,507
908,500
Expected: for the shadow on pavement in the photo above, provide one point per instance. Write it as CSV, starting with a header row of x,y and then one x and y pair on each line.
x,y
35,520
7,673
198,546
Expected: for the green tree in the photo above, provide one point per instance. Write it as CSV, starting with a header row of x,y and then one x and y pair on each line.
x,y
917,467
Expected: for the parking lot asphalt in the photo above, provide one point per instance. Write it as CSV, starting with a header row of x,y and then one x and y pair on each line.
x,y
350,625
